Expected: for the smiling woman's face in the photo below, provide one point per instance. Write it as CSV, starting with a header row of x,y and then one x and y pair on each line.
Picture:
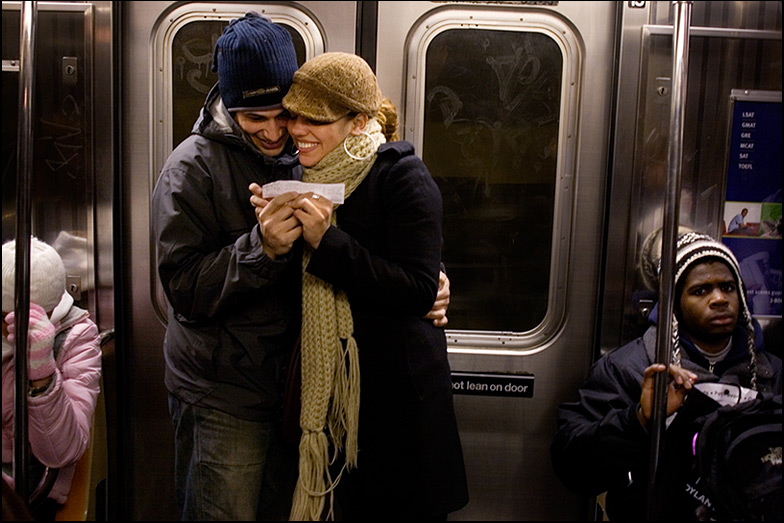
x,y
315,140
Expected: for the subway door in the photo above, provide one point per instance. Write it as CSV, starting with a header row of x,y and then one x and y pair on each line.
x,y
509,107
166,56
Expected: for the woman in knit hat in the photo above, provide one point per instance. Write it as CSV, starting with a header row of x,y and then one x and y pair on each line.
x,y
603,444
376,383
63,371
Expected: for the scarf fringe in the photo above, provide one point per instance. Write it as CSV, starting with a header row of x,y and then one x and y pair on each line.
x,y
352,406
314,481
344,411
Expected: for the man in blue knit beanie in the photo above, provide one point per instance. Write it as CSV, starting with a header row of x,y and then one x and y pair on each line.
x,y
233,314
255,61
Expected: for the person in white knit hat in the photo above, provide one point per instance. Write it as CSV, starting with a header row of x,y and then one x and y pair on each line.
x,y
602,443
63,370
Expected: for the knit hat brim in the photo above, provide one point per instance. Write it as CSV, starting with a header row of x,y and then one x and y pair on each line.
x,y
278,105
306,101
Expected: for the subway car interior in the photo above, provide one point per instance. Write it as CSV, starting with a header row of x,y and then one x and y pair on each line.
x,y
547,126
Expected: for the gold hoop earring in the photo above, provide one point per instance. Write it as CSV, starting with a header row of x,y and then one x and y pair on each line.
x,y
355,157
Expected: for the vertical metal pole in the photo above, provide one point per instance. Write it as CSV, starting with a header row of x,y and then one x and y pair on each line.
x,y
367,32
29,16
680,66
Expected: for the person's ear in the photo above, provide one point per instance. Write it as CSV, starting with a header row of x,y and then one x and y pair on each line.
x,y
358,124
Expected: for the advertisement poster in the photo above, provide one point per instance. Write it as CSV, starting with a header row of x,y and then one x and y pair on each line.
x,y
752,210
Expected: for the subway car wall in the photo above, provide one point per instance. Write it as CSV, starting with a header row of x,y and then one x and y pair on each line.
x,y
544,124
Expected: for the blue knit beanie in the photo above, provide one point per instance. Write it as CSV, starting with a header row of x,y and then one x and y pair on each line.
x,y
255,61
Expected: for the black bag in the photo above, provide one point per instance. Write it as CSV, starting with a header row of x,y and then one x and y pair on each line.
x,y
738,455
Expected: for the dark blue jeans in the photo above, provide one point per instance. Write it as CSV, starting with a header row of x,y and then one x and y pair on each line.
x,y
230,469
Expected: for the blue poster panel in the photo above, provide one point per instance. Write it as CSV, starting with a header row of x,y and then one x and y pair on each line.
x,y
752,210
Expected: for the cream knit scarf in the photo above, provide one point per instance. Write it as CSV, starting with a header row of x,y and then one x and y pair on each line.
x,y
330,369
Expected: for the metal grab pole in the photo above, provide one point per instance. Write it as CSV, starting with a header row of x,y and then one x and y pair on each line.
x,y
24,146
680,65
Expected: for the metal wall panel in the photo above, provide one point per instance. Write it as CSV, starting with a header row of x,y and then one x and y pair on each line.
x,y
733,45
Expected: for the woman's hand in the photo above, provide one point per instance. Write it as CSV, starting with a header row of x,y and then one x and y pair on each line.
x,y
314,212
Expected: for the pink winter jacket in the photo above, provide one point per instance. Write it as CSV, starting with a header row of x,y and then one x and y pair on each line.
x,y
60,419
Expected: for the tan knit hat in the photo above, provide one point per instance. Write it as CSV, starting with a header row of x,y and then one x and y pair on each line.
x,y
332,85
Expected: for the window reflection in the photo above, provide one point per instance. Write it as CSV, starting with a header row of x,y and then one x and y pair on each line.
x,y
490,138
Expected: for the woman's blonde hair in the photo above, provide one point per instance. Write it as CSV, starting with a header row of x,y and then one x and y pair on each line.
x,y
387,117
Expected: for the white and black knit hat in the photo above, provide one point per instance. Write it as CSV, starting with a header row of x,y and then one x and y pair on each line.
x,y
47,275
694,247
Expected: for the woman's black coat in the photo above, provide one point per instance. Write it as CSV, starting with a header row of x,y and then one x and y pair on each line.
x,y
385,253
